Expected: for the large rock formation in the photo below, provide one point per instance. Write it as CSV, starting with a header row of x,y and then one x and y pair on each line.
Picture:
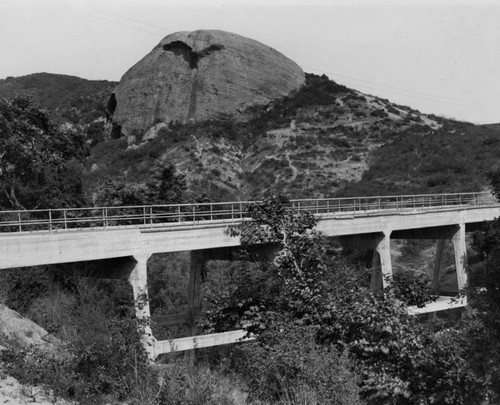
x,y
201,75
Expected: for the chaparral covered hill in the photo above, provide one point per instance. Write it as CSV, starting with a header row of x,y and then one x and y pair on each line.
x,y
212,104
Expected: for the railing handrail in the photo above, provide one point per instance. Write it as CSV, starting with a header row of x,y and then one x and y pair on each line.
x,y
144,215
123,207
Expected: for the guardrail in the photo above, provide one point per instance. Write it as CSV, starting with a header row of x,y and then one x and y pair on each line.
x,y
194,214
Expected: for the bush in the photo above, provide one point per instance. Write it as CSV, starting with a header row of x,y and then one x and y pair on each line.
x,y
22,286
104,354
194,386
286,365
412,287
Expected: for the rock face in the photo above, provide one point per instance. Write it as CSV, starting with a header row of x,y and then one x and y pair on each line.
x,y
200,75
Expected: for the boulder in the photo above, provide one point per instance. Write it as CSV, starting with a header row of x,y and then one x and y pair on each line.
x,y
154,131
201,75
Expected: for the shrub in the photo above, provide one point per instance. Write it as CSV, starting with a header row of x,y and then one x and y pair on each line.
x,y
379,113
286,364
103,353
194,386
341,142
22,286
412,287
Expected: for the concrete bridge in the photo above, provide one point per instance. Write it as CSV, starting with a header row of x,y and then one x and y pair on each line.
x,y
116,242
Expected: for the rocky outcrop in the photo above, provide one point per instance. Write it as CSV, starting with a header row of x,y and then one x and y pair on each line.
x,y
153,132
200,75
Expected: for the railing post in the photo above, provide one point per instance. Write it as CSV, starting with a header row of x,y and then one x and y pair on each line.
x,y
211,212
144,215
194,214
327,206
232,212
19,220
50,221
241,211
151,216
65,220
105,217
179,213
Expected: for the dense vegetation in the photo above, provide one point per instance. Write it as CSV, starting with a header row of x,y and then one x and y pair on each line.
x,y
456,158
323,140
40,165
323,336
68,98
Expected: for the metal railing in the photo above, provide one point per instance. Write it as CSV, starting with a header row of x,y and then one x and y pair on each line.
x,y
150,216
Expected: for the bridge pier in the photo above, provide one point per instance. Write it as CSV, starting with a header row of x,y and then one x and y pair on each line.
x,y
197,274
438,264
380,243
381,264
138,278
460,249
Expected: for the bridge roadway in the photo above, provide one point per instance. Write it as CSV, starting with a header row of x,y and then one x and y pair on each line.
x,y
123,238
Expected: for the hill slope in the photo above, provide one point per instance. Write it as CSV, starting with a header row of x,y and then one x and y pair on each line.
x,y
69,99
323,140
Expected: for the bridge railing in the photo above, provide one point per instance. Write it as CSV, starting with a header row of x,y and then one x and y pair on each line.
x,y
366,205
194,214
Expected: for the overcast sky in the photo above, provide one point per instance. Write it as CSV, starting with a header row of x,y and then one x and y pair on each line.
x,y
436,56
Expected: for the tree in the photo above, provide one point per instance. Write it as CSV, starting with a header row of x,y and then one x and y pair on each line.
x,y
494,177
483,291
40,165
399,360
164,186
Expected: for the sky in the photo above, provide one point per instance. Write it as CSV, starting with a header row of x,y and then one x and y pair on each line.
x,y
440,57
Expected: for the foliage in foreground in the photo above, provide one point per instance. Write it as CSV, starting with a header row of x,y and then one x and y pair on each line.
x,y
483,288
40,165
397,360
103,359
103,354
288,365
412,287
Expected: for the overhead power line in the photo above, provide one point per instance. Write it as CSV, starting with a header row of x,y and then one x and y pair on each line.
x,y
405,92
360,82
112,21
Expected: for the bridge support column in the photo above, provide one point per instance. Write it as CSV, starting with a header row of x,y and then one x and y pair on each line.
x,y
138,278
197,272
459,246
381,265
437,264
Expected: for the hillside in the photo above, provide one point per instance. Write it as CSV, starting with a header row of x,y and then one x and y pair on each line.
x,y
322,140
69,99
